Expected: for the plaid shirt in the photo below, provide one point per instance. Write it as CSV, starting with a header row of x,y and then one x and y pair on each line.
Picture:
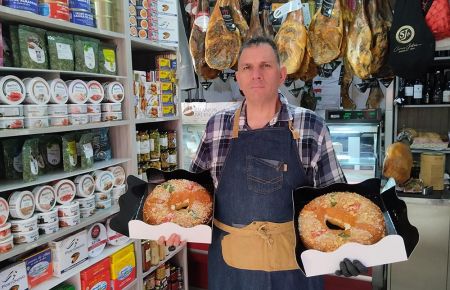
x,y
314,145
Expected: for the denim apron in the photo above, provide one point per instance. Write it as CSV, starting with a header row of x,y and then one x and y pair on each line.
x,y
253,242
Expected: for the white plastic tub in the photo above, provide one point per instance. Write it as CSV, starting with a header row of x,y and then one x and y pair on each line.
x,y
58,110
4,211
119,190
103,204
85,185
111,107
13,90
77,108
47,217
59,92
69,221
70,209
95,117
119,174
96,92
56,121
45,198
87,202
78,119
36,122
114,92
102,196
5,232
26,237
45,229
13,110
35,110
104,180
65,191
6,245
87,212
38,91
11,122
27,225
111,116
21,204
94,108
78,91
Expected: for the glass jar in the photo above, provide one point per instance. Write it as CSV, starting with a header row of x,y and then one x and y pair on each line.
x,y
172,159
172,139
138,146
163,140
145,146
165,160
154,145
156,164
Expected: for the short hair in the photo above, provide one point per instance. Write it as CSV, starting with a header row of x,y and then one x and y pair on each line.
x,y
257,41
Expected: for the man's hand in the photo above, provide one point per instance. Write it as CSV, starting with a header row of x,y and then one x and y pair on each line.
x,y
348,268
173,241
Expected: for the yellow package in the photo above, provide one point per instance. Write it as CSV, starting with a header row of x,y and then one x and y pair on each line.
x,y
121,259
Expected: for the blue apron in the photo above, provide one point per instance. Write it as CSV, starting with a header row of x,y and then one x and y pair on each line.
x,y
260,172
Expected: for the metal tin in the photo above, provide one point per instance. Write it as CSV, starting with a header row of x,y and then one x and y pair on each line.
x,y
105,22
24,5
56,10
104,7
64,2
131,10
82,17
133,31
80,4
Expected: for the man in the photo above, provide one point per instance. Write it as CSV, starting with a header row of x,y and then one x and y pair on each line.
x,y
257,153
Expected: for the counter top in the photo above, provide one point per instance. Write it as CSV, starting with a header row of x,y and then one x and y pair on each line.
x,y
438,197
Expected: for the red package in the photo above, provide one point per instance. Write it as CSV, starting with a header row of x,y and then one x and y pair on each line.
x,y
97,276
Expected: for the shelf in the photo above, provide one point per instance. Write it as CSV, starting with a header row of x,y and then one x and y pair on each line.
x,y
25,132
98,216
445,151
156,120
427,106
10,185
131,285
23,17
141,44
53,281
61,72
170,256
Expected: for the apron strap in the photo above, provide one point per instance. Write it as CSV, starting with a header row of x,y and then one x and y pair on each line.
x,y
237,115
256,227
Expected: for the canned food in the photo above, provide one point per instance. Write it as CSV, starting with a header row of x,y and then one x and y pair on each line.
x,y
24,5
87,202
133,31
142,12
80,4
82,17
105,22
56,10
26,237
132,10
142,24
142,33
133,21
105,7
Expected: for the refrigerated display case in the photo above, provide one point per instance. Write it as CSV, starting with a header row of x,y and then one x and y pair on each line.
x,y
356,140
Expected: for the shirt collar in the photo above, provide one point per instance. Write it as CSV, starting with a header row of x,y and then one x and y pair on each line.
x,y
283,114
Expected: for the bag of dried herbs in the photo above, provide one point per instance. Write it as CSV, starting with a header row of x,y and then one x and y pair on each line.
x,y
107,59
86,150
50,148
33,48
70,157
30,159
60,49
14,37
101,144
12,158
86,54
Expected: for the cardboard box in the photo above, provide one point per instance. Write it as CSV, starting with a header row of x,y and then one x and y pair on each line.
x,y
169,110
164,76
168,30
398,244
166,88
69,252
39,267
14,277
152,89
167,98
97,276
123,267
167,7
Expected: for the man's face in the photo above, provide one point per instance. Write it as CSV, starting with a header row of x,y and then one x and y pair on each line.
x,y
259,75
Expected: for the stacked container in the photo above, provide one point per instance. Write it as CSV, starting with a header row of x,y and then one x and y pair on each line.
x,y
81,13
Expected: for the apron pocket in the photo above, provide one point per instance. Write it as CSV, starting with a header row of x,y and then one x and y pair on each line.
x,y
251,252
264,175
